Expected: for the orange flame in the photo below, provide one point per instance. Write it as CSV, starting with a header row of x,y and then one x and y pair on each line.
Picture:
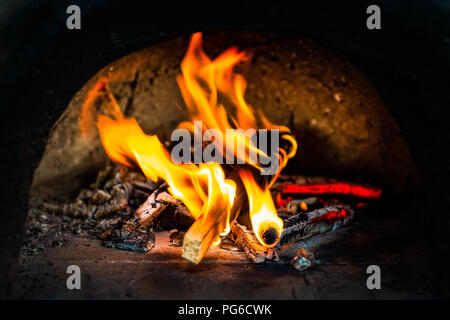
x,y
266,224
202,188
201,82
126,143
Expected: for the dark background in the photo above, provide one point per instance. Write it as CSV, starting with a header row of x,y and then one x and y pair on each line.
x,y
42,65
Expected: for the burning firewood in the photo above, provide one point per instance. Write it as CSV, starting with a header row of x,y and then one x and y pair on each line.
x,y
209,195
204,231
144,206
165,197
305,187
298,205
307,224
207,228
254,250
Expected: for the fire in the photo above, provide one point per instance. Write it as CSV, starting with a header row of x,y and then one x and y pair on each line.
x,y
201,82
126,143
265,221
203,187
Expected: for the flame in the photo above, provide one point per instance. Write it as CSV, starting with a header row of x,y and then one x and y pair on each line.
x,y
203,188
266,224
126,143
303,206
201,82
216,242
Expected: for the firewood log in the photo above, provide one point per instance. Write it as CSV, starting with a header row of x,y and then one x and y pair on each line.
x,y
308,224
204,231
254,250
207,228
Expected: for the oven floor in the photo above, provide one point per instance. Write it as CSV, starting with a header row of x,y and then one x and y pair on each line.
x,y
343,256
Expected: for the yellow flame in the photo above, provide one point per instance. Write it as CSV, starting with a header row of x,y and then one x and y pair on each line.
x,y
216,242
202,80
261,209
126,143
200,187
303,206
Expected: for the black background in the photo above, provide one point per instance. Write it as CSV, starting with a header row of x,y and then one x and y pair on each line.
x,y
43,64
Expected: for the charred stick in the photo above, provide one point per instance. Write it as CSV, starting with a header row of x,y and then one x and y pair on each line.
x,y
138,241
151,208
307,224
254,250
166,198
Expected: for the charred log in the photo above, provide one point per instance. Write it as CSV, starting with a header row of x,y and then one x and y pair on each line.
x,y
151,208
307,224
137,240
247,240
